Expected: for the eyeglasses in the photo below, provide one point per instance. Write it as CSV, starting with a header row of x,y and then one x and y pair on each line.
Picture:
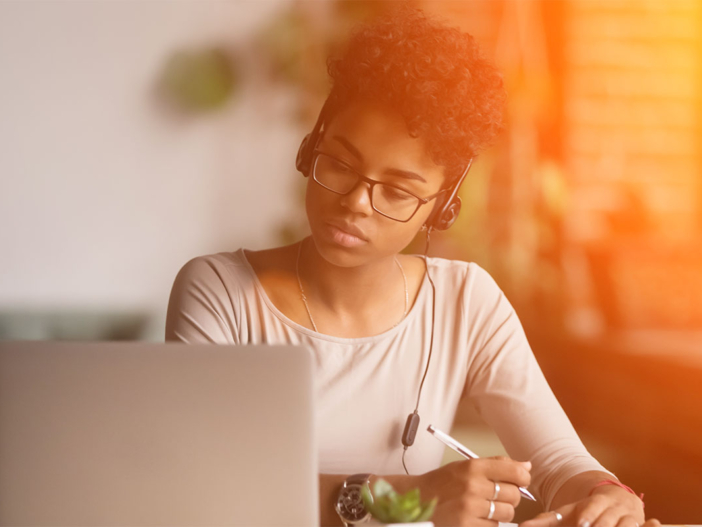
x,y
389,200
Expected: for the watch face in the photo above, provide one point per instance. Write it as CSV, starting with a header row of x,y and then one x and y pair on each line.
x,y
350,504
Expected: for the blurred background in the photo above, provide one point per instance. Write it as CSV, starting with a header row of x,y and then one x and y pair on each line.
x,y
137,135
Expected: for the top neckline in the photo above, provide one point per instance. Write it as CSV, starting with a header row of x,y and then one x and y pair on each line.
x,y
412,313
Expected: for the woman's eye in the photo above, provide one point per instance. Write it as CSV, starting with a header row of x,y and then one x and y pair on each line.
x,y
341,167
396,193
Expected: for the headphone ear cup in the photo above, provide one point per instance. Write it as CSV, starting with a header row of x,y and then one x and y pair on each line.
x,y
302,161
433,218
449,215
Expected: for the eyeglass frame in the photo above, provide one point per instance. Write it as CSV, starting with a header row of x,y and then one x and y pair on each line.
x,y
372,182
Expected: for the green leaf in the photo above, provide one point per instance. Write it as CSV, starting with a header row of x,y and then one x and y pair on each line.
x,y
383,510
387,506
411,499
415,513
408,515
396,511
367,497
375,507
428,511
382,487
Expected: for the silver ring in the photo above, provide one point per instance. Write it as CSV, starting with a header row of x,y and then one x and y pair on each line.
x,y
497,490
492,510
559,516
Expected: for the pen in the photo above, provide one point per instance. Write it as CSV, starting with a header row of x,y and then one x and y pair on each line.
x,y
467,452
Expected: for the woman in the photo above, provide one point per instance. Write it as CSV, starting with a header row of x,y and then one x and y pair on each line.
x,y
412,103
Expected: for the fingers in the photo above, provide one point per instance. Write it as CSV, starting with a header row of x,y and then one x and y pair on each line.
x,y
627,521
503,469
467,511
509,493
550,519
609,518
545,519
475,507
484,488
498,511
591,512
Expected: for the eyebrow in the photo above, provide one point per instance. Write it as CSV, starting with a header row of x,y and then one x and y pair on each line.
x,y
391,171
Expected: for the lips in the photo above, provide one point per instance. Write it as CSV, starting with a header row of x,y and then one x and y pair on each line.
x,y
349,228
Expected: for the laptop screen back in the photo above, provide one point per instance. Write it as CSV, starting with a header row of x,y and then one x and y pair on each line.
x,y
156,434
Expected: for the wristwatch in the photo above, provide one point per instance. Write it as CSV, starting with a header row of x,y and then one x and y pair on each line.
x,y
349,505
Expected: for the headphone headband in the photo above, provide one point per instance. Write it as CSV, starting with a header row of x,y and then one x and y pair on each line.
x,y
303,162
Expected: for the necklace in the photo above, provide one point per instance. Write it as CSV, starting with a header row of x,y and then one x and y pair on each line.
x,y
304,298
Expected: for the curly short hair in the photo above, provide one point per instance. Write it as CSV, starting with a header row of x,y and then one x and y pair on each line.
x,y
433,74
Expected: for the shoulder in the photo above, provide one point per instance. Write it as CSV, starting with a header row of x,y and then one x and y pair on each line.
x,y
469,287
230,270
201,306
470,277
209,264
211,272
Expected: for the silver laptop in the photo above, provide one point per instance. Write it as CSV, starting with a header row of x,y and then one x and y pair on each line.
x,y
119,433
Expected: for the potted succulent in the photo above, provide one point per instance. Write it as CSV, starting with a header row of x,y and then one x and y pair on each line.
x,y
387,507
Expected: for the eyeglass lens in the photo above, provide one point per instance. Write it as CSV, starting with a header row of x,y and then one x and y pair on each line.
x,y
338,177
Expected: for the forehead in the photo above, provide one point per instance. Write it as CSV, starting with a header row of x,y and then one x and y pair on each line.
x,y
382,137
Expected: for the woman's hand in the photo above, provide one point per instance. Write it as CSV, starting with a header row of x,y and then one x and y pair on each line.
x,y
465,489
609,506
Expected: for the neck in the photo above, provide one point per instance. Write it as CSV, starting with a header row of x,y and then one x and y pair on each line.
x,y
349,291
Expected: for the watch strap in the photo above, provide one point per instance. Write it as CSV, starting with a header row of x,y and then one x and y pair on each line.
x,y
357,479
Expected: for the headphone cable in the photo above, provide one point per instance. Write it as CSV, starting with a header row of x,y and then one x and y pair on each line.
x,y
431,348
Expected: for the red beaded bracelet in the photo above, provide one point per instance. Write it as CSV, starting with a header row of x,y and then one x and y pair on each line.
x,y
618,484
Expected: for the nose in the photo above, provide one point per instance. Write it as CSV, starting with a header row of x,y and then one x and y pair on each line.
x,y
359,198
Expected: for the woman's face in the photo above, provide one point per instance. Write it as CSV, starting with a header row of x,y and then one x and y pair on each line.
x,y
374,142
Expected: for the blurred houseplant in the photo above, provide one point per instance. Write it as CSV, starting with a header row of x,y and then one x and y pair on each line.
x,y
199,80
391,508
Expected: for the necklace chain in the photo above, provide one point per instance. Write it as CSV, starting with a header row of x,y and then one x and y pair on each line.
x,y
304,298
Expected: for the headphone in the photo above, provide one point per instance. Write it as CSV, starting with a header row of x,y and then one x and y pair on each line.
x,y
441,218
447,208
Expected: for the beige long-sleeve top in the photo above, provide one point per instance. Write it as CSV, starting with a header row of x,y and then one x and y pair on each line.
x,y
367,386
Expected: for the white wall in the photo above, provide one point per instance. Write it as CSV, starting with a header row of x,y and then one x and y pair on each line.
x,y
104,195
